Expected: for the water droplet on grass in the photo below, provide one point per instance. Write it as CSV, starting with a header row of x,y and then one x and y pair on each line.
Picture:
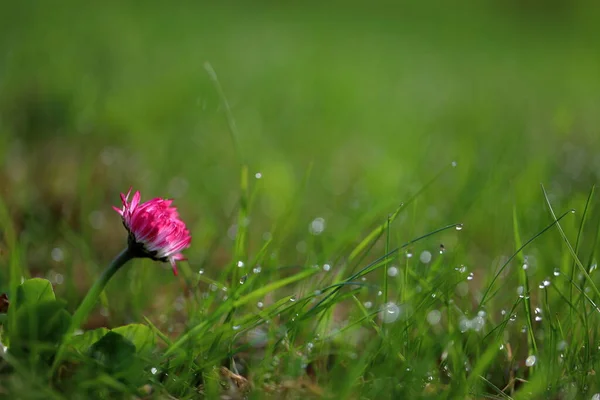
x,y
368,304
434,317
454,164
389,313
258,175
235,327
556,272
293,299
530,361
459,227
326,267
409,254
392,271
260,304
153,370
470,277
243,279
201,272
425,257
57,254
560,346
317,226
442,249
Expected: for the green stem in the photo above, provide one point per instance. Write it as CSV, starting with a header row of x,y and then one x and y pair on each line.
x,y
92,295
88,303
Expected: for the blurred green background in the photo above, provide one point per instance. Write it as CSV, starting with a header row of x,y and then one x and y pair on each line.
x,y
373,98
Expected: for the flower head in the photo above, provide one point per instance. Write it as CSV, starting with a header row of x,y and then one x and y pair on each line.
x,y
155,230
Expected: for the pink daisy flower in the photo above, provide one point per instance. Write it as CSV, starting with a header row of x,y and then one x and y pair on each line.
x,y
155,230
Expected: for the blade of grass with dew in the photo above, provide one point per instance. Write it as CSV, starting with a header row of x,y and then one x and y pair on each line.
x,y
380,261
524,280
579,233
497,274
569,247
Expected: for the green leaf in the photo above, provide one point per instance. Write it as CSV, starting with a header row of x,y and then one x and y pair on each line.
x,y
114,352
82,343
34,291
39,328
140,335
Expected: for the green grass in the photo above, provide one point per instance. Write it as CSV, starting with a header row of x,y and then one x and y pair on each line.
x,y
394,130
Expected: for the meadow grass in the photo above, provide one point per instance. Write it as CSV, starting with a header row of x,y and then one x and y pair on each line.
x,y
362,187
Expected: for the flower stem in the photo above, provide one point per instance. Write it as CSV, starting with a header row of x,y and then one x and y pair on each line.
x,y
88,303
92,295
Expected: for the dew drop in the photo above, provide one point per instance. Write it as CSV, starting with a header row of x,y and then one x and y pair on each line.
x,y
293,299
235,327
258,175
462,269
260,304
477,323
425,257
368,304
257,269
243,279
389,313
201,272
524,329
442,249
434,317
530,361
326,267
538,318
317,226
57,254
409,254
470,277
596,396
379,293
154,370
556,272
240,264
454,164
459,227
392,271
